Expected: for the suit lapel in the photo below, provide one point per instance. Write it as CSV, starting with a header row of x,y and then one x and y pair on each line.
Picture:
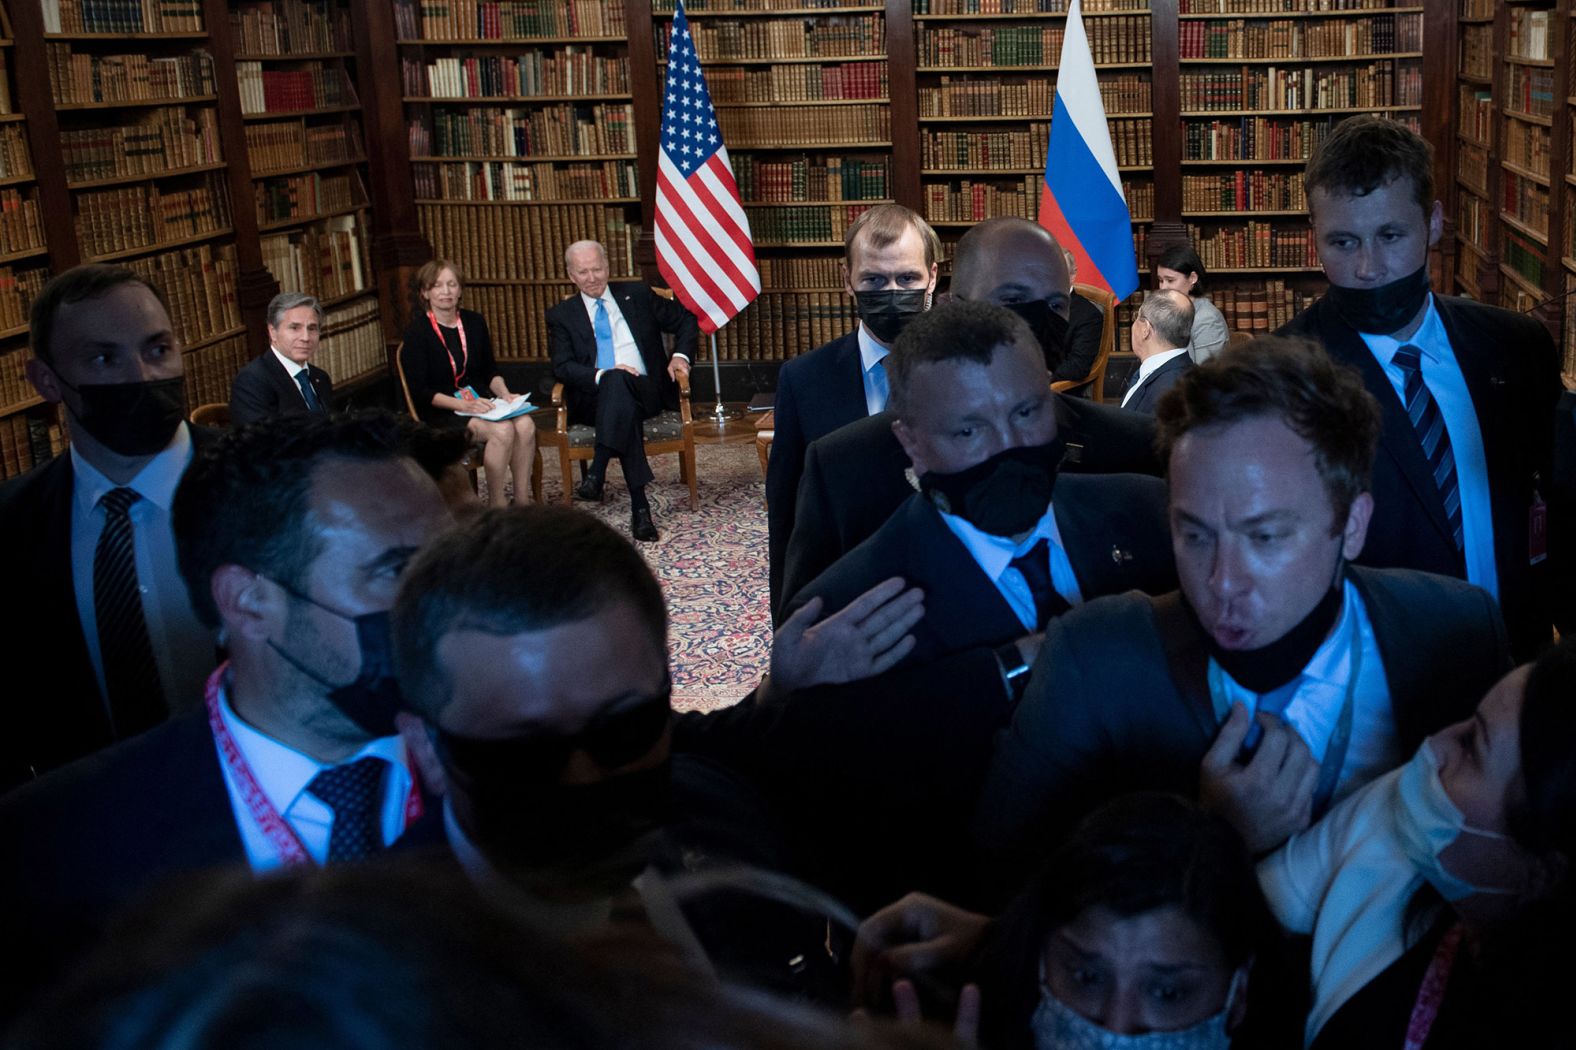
x,y
1187,659
1093,547
1485,381
1394,633
846,392
974,612
580,328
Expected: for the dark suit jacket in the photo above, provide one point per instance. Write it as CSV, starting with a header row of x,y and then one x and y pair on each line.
x,y
1149,392
817,393
1113,527
571,344
854,478
1085,326
1104,714
63,716
264,389
1512,372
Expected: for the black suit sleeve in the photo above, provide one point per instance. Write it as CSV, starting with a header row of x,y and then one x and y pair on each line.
x,y
783,471
322,385
251,397
812,543
417,358
568,368
673,318
1084,330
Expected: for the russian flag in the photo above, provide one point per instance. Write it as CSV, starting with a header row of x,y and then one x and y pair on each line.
x,y
1081,202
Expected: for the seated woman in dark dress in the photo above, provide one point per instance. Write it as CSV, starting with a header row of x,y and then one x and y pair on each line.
x,y
447,350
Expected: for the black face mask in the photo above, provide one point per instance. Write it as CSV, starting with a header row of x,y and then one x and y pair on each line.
x,y
1005,495
1048,326
887,313
1385,309
131,419
373,699
1271,666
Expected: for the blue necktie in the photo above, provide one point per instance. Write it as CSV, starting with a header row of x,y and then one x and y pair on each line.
x,y
879,384
605,358
305,383
355,793
1035,567
1430,426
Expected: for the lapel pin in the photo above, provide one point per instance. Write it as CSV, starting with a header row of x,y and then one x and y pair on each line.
x,y
1119,556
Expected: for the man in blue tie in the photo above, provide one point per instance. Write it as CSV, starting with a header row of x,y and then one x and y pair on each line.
x,y
1462,485
607,349
284,381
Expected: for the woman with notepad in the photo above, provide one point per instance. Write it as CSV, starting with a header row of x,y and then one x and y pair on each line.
x,y
447,360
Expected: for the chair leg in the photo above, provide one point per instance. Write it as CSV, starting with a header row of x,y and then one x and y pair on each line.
x,y
567,472
536,477
687,468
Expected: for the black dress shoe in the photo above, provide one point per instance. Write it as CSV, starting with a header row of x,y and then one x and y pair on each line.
x,y
589,489
640,524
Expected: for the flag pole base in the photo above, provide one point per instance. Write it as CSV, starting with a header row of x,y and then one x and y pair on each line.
x,y
722,414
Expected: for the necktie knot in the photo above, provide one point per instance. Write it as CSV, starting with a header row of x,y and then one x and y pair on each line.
x,y
1408,358
304,381
117,502
354,792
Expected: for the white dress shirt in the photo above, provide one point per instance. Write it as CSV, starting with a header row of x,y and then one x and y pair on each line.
x,y
182,645
872,357
283,774
1315,707
625,350
1148,367
293,368
994,554
1442,373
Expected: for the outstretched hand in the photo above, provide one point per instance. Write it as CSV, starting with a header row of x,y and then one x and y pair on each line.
x,y
867,637
915,935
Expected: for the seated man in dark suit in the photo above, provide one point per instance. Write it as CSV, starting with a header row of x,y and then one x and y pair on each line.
x,y
890,256
853,478
1085,328
1468,391
1281,677
109,644
606,346
1160,337
284,381
292,535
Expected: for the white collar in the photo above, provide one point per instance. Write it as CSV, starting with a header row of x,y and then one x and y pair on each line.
x,y
1430,338
606,297
871,353
290,366
994,554
155,482
1152,364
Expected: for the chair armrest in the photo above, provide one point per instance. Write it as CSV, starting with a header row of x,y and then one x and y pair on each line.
x,y
1061,386
684,398
561,423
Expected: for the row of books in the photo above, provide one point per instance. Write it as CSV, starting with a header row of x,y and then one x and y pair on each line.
x,y
820,36
570,71
1020,7
14,386
799,271
122,16
966,97
16,161
743,128
780,325
1255,244
1244,191
1472,218
352,344
157,141
817,178
1255,138
1525,256
1527,145
20,230
76,78
286,27
199,282
1525,201
1300,38
308,195
287,90
517,316
1478,8
133,217
1250,7
1529,33
1472,166
1477,50
28,440
503,180
507,19
550,131
1530,90
1381,83
798,82
210,370
493,243
968,201
281,145
1475,114
786,224
1261,307
1132,140
326,259
18,289
666,7
5,84
1120,39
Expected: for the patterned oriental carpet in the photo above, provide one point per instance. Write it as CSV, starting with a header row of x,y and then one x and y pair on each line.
x,y
712,564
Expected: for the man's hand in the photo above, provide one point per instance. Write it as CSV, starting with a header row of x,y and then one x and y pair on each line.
x,y
867,637
1269,799
678,366
917,934
631,369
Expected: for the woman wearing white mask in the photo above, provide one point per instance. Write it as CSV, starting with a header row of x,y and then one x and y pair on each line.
x,y
1403,882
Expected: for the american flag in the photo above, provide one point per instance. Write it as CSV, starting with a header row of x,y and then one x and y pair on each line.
x,y
704,250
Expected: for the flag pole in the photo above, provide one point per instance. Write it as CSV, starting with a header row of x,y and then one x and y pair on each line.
x,y
722,413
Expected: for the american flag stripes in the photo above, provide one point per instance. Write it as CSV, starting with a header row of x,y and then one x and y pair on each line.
x,y
704,250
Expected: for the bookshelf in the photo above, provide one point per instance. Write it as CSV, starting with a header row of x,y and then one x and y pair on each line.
x,y
295,72
520,125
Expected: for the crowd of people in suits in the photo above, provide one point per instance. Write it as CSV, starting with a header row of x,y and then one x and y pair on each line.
x,y
1240,712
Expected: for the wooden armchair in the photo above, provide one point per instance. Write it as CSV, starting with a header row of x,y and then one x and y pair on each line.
x,y
666,432
1094,382
473,458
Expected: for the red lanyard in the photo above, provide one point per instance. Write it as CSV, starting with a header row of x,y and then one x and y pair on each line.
x,y
274,826
465,351
1432,993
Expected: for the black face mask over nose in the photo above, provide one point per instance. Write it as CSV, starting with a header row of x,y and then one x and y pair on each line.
x,y
1385,309
1006,494
886,313
132,419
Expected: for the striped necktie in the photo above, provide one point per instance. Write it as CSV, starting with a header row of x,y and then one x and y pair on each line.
x,y
131,673
1429,424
